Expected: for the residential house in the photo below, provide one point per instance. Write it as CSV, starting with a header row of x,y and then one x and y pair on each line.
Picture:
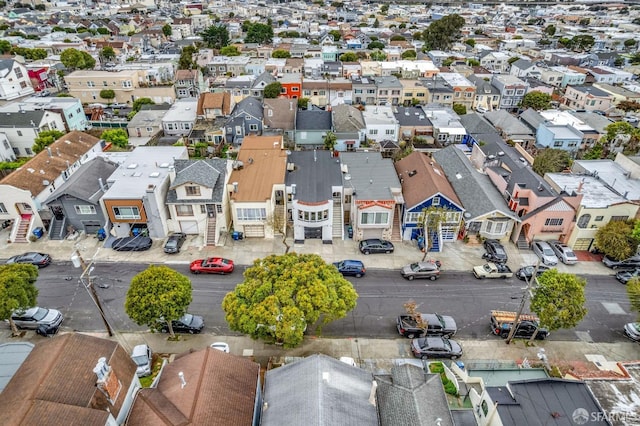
x,y
294,66
316,91
259,83
413,92
75,379
188,391
189,83
180,119
618,93
364,90
214,105
351,69
524,68
69,108
621,175
559,136
14,80
447,128
373,196
487,96
389,90
464,91
312,125
135,199
314,196
24,191
592,126
588,98
246,119
291,85
280,116
414,125
570,77
75,204
145,125
381,123
486,213
554,76
22,127
495,61
438,91
197,200
424,185
349,127
512,129
610,75
318,390
256,187
512,90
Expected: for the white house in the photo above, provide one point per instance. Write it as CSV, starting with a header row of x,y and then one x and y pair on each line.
x,y
14,80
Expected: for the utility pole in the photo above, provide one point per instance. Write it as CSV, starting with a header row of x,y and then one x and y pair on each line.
x,y
523,301
79,262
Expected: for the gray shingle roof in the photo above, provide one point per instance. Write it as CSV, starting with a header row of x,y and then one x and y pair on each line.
x,y
313,120
22,119
371,176
314,175
210,173
84,184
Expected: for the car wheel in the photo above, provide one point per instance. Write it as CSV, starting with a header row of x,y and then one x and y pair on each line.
x,y
410,336
358,275
504,334
424,357
410,277
454,357
164,330
432,277
366,252
504,276
191,331
388,251
195,272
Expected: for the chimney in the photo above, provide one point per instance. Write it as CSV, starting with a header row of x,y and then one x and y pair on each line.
x,y
580,186
183,382
235,186
49,152
101,369
101,183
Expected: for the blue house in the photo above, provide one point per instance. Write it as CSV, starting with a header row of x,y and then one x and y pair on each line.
x,y
565,137
424,185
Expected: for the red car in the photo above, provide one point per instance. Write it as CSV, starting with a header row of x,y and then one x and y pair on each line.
x,y
211,265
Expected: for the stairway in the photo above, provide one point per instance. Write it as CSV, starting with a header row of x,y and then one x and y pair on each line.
x,y
279,219
522,242
56,229
434,238
23,229
211,231
336,230
396,233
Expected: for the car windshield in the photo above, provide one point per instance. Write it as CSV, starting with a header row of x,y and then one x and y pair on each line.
x,y
446,344
636,326
40,314
140,359
171,242
499,250
487,267
414,267
187,319
569,253
547,252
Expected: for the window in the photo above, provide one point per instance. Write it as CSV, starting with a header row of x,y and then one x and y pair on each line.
x,y
435,201
184,210
105,84
28,151
413,217
91,84
203,209
553,222
218,208
252,214
253,127
619,218
584,220
599,218
557,143
127,84
126,213
192,190
375,218
19,132
85,209
3,209
496,228
18,72
390,132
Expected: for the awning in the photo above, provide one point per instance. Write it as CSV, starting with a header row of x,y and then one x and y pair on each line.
x,y
350,142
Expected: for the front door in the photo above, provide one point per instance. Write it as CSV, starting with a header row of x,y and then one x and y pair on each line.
x,y
57,212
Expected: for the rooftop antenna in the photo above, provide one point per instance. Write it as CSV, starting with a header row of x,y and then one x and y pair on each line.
x,y
183,382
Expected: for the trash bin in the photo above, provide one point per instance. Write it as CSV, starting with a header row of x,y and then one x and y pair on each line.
x,y
460,365
350,231
38,232
237,235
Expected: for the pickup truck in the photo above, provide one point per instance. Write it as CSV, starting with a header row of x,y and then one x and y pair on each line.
x,y
502,322
492,270
437,325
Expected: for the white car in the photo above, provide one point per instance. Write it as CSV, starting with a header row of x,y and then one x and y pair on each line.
x,y
35,317
118,105
543,250
481,109
220,346
564,253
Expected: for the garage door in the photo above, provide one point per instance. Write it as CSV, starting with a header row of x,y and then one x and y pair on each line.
x,y
189,226
312,233
583,244
91,227
371,233
254,231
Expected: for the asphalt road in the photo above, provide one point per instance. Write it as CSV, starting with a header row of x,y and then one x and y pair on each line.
x,y
382,294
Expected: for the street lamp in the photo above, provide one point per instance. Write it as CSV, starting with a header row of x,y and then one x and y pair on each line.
x,y
87,281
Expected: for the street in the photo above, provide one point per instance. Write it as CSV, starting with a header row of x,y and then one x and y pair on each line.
x,y
382,294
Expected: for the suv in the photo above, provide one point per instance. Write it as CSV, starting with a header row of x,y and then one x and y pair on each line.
x,y
502,322
429,270
545,253
350,267
630,263
495,252
564,253
375,245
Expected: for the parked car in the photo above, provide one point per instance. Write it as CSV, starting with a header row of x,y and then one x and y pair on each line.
x,y
43,93
189,323
481,109
97,105
495,252
630,263
632,331
631,119
430,325
501,323
212,265
220,346
142,356
564,253
526,272
118,105
429,270
137,243
174,242
625,276
375,245
354,268
34,258
35,317
435,347
492,270
543,250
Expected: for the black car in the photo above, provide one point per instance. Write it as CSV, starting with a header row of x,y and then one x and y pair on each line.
x,y
495,252
36,259
375,245
354,268
625,276
187,324
435,347
525,330
132,244
174,242
630,263
526,272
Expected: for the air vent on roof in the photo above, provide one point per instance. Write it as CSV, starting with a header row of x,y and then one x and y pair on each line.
x,y
154,174
491,157
291,167
45,182
500,154
347,177
132,166
137,174
164,165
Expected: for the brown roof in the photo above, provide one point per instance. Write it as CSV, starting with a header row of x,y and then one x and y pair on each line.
x,y
265,162
428,180
50,163
220,390
185,75
280,113
214,101
56,382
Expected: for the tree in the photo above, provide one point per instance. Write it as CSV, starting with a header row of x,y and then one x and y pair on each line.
x,y
441,34
137,104
329,141
5,47
282,295
107,94
470,42
45,138
596,152
348,57
616,239
378,55
107,53
103,31
216,36
303,103
186,61
117,137
230,51
158,294
430,219
272,90
17,290
167,30
536,100
397,37
633,291
280,53
559,300
627,106
550,160
550,30
259,33
459,109
375,45
337,35
409,54
76,59
473,62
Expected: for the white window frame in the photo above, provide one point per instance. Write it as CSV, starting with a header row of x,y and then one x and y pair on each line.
x,y
377,218
134,212
84,209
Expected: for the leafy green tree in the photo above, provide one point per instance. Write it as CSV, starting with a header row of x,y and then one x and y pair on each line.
x,y
158,293
551,160
137,104
348,57
430,219
375,45
107,53
409,54
441,34
459,109
329,141
384,9
272,90
559,300
17,290
5,47
230,51
596,152
633,291
397,37
259,33
536,100
45,138
167,30
337,35
107,94
582,42
616,239
186,61
378,55
41,7
216,36
473,62
282,295
303,103
513,59
629,43
103,31
117,137
470,42
76,59
33,54
280,53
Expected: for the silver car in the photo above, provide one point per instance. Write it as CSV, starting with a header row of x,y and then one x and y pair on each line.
x,y
564,253
35,317
544,251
